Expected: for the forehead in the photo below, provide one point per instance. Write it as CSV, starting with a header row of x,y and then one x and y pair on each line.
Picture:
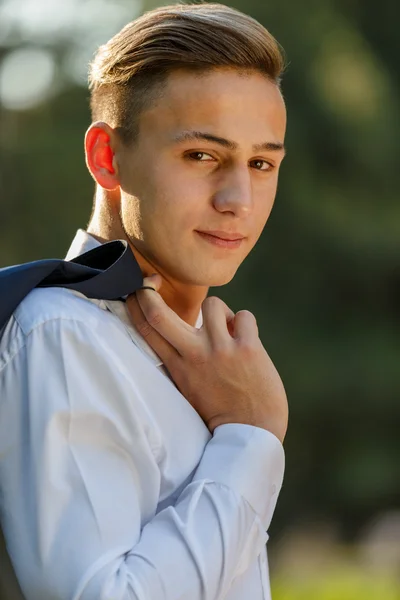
x,y
245,106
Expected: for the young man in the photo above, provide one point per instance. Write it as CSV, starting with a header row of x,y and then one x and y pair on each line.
x,y
141,442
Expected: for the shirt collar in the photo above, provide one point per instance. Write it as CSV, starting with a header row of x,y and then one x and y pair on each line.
x,y
83,242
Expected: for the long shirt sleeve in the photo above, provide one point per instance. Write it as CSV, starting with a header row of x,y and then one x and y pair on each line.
x,y
81,475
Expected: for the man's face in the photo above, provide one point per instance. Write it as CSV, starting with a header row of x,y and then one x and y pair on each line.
x,y
207,159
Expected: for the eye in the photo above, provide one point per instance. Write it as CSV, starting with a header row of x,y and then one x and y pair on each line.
x,y
261,165
200,156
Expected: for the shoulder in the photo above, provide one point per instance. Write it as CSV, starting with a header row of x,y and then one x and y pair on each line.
x,y
58,323
49,304
42,310
48,313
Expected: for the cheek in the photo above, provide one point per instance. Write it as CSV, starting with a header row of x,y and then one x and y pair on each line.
x,y
180,201
263,205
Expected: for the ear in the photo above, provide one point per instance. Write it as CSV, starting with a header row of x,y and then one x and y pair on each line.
x,y
100,141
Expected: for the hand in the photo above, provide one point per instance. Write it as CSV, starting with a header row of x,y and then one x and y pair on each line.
x,y
222,368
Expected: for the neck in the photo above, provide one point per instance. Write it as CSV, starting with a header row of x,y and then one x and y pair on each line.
x,y
185,300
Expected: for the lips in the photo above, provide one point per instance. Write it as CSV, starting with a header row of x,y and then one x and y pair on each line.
x,y
224,235
220,242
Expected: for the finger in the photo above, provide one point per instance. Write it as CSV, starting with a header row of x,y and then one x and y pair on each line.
x,y
182,336
165,351
245,326
217,317
152,282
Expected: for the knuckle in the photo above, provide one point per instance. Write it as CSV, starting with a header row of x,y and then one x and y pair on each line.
x,y
246,313
154,318
222,353
250,320
211,301
248,348
144,328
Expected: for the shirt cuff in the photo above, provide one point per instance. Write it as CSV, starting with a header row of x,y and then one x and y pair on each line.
x,y
249,460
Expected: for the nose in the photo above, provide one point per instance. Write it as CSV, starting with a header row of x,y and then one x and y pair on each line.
x,y
235,194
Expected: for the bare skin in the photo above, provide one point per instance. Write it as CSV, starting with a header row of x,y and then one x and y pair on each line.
x,y
160,191
207,159
222,368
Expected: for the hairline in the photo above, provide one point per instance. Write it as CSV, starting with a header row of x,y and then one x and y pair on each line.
x,y
155,91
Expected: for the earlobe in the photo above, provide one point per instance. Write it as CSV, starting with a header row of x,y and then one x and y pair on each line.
x,y
100,156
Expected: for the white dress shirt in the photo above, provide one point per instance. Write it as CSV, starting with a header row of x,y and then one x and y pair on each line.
x,y
111,485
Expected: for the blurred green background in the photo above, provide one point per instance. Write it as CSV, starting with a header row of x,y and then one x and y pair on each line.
x,y
323,281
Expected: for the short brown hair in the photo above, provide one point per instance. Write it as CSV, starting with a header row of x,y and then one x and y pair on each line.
x,y
129,71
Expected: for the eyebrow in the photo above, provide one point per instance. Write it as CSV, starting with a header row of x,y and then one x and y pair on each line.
x,y
185,136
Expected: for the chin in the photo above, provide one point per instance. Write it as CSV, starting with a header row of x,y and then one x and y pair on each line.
x,y
218,281
204,274
214,279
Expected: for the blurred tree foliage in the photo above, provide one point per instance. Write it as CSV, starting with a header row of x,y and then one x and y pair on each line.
x,y
335,585
324,279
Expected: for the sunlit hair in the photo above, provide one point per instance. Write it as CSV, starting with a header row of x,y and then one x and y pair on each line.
x,y
129,72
